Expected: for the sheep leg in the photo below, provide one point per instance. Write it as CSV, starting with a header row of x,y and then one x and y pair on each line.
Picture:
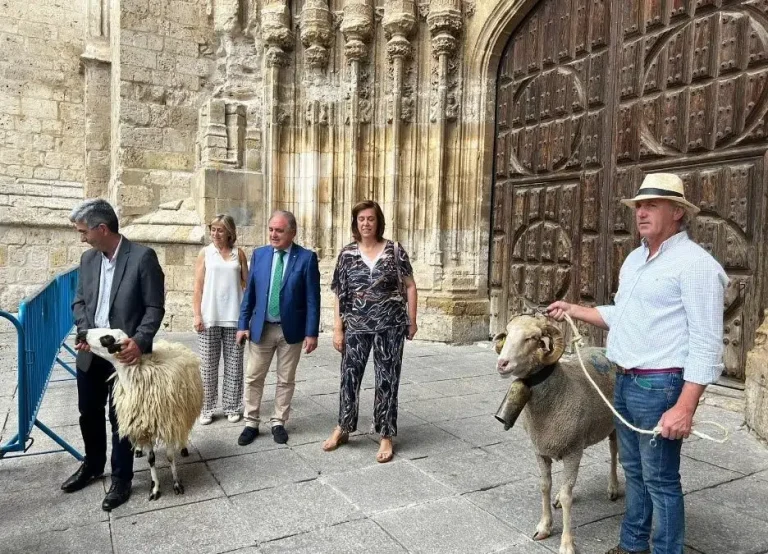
x,y
613,478
571,464
544,528
155,493
178,488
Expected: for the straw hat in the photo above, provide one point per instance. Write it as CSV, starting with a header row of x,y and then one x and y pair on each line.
x,y
666,186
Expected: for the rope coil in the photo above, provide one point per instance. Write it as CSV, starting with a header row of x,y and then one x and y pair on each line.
x,y
578,342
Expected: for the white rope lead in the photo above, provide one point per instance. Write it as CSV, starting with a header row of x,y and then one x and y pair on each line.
x,y
578,342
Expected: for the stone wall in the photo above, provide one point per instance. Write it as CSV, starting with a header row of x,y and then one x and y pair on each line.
x,y
756,386
41,140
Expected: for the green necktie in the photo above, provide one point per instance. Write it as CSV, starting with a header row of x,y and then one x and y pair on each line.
x,y
277,282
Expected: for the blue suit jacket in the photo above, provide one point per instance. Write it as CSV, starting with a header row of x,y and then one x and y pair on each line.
x,y
299,295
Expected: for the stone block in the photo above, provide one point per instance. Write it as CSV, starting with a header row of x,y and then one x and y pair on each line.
x,y
231,185
3,255
174,255
58,257
40,108
346,538
756,386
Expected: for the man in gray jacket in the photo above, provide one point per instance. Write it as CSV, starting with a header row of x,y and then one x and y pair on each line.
x,y
120,286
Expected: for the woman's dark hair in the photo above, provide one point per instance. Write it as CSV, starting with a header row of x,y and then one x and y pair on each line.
x,y
380,223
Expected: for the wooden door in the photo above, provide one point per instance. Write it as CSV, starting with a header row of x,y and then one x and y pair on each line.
x,y
594,94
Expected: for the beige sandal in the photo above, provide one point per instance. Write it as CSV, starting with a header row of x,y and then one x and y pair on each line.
x,y
341,438
383,456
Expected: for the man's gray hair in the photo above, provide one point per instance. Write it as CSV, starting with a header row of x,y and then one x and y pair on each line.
x,y
289,217
94,212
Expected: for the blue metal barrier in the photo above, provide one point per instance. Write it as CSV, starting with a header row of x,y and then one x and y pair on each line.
x,y
43,324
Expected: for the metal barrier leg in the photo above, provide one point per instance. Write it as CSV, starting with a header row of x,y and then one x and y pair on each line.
x,y
66,366
61,442
11,446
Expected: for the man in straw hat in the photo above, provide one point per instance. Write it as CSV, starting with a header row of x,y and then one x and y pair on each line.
x,y
665,333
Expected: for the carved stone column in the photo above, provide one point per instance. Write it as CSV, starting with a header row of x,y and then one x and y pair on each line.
x,y
399,23
316,33
444,21
357,27
278,38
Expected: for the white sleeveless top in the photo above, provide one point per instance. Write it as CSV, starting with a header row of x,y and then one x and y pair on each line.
x,y
222,292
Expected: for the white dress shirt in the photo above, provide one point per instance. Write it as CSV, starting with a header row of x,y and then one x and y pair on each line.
x,y
106,277
668,311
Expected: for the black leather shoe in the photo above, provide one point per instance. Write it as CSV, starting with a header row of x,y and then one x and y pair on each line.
x,y
248,435
79,479
119,493
279,434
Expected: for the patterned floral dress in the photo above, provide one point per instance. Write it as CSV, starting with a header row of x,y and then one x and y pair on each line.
x,y
374,311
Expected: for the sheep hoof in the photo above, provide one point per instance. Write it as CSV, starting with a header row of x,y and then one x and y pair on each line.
x,y
556,505
154,495
613,495
567,549
184,452
178,488
540,535
138,454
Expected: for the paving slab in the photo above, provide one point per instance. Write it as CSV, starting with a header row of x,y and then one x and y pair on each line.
x,y
471,470
448,408
715,528
387,486
199,484
358,453
741,453
93,538
351,537
260,470
29,510
206,527
291,509
219,440
426,440
482,430
451,525
744,496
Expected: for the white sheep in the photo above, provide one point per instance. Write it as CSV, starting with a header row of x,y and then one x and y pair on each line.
x,y
156,400
563,414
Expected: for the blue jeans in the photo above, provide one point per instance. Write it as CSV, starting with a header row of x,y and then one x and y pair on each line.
x,y
652,472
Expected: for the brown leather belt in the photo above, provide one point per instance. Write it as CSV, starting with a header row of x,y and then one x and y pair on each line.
x,y
641,371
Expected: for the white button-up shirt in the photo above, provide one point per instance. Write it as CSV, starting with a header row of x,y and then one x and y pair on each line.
x,y
668,311
105,288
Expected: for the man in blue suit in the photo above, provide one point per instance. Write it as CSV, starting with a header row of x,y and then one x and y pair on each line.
x,y
279,313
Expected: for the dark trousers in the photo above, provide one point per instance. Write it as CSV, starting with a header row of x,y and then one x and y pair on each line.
x,y
387,360
93,393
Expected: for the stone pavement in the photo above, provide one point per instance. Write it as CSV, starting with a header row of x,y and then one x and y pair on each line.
x,y
458,483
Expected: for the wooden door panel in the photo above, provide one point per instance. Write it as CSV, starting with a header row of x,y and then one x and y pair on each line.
x,y
588,105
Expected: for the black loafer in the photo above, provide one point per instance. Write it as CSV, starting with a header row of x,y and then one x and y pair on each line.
x,y
279,434
79,479
248,435
119,493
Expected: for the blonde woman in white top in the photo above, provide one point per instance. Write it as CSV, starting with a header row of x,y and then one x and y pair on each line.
x,y
221,271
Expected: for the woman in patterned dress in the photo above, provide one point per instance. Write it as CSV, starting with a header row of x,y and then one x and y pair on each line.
x,y
221,271
375,308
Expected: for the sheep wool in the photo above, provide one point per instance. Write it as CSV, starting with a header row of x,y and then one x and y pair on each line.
x,y
160,397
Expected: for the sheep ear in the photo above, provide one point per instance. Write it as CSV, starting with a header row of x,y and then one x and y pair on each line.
x,y
556,344
498,341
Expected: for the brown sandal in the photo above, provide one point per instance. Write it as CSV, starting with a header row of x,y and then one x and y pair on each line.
x,y
384,456
341,438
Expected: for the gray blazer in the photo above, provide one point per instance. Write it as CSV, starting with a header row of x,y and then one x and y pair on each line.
x,y
137,300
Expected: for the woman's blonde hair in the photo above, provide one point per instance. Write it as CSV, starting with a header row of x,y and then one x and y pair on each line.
x,y
229,224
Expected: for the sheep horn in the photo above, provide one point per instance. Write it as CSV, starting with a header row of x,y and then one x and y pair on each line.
x,y
557,346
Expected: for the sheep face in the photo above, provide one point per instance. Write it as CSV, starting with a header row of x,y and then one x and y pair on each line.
x,y
104,343
529,343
